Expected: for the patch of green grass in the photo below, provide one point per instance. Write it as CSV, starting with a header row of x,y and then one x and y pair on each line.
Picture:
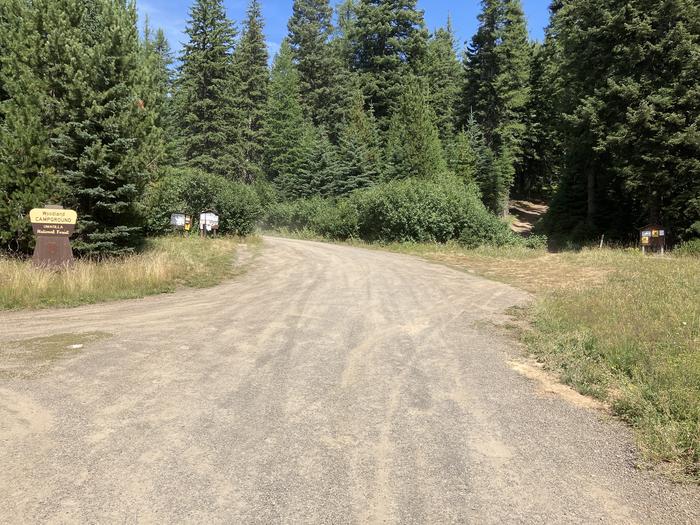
x,y
31,358
165,264
634,341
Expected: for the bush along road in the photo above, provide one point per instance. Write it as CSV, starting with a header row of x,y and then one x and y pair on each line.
x,y
329,384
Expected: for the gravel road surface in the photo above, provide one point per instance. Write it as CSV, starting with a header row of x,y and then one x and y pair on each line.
x,y
327,384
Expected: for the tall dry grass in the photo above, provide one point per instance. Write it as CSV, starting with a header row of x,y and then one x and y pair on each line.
x,y
165,264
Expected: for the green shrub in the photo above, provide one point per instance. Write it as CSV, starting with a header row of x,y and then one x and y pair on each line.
x,y
163,197
410,210
192,191
294,215
536,242
417,210
267,193
326,217
689,248
339,221
486,229
239,208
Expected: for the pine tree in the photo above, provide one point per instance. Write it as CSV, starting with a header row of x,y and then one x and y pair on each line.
x,y
288,135
413,145
496,192
95,116
156,80
161,48
443,72
537,173
250,60
497,74
345,81
96,139
5,48
360,156
629,77
166,79
345,31
497,91
481,67
321,166
310,29
465,161
207,91
655,141
512,83
26,181
389,41
492,171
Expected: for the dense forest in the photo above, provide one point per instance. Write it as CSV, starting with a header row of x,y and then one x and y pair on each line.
x,y
361,107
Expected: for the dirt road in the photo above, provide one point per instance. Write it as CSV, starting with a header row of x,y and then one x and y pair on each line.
x,y
326,385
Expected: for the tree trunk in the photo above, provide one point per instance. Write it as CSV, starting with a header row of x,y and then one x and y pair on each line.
x,y
590,198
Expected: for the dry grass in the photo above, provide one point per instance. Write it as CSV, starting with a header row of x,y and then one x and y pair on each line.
x,y
528,269
166,263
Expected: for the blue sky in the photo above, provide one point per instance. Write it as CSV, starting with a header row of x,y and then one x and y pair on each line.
x,y
172,16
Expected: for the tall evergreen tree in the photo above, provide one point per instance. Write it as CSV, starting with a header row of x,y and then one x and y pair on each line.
x,y
389,41
288,134
344,80
310,30
443,72
497,74
537,173
26,181
166,77
413,145
207,104
491,171
346,20
95,116
495,190
156,79
162,67
512,83
480,70
629,93
250,60
360,155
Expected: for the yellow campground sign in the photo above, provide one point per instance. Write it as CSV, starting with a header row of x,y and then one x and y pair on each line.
x,y
53,216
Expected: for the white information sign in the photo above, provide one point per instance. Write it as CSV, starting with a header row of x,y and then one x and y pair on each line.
x,y
208,221
177,220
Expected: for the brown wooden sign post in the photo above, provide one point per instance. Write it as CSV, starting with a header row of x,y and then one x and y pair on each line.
x,y
53,227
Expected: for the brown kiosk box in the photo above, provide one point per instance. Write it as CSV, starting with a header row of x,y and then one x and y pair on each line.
x,y
53,227
652,238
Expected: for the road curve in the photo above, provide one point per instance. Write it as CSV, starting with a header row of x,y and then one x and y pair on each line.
x,y
328,384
